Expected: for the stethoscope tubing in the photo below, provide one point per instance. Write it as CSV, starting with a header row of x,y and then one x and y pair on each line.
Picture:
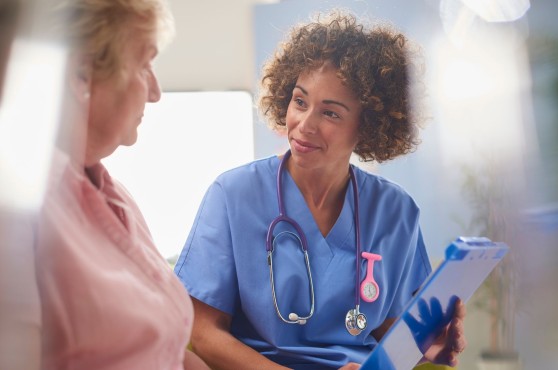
x,y
282,216
270,240
311,283
357,236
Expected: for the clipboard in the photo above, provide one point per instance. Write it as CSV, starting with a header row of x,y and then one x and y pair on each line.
x,y
468,261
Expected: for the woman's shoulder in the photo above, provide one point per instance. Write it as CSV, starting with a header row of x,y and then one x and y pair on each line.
x,y
379,186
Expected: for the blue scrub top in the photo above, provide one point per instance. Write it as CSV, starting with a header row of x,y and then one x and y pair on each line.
x,y
224,264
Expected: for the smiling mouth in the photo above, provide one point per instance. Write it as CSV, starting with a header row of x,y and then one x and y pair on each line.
x,y
303,147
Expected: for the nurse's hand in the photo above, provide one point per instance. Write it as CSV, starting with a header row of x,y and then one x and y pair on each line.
x,y
350,366
447,347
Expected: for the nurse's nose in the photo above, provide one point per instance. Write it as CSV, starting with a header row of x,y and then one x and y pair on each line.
x,y
309,122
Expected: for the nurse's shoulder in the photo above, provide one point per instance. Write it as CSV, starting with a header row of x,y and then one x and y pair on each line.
x,y
381,189
250,176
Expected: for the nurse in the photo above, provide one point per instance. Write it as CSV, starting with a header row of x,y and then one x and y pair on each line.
x,y
302,260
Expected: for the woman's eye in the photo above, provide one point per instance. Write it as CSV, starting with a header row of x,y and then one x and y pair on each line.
x,y
299,102
331,114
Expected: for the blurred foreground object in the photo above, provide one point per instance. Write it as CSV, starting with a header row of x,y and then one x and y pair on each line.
x,y
30,81
9,15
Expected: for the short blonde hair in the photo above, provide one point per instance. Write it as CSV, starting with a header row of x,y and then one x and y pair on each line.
x,y
98,28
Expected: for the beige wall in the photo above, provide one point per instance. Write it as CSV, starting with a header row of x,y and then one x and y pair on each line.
x,y
213,47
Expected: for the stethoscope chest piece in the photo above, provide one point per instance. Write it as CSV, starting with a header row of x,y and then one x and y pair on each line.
x,y
355,321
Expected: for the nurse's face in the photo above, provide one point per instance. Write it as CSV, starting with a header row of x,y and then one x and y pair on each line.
x,y
322,120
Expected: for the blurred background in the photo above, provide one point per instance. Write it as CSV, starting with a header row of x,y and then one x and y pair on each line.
x,y
487,166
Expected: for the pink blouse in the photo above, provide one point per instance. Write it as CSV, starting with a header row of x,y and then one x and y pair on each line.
x,y
109,300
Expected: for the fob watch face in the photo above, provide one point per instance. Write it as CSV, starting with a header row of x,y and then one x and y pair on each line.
x,y
370,291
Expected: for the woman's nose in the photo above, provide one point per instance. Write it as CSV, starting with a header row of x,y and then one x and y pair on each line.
x,y
309,122
154,93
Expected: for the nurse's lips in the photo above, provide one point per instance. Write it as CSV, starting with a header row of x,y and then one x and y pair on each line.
x,y
303,146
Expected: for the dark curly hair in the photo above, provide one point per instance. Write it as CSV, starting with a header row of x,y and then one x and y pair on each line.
x,y
378,64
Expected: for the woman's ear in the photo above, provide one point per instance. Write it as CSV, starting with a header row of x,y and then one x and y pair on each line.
x,y
80,74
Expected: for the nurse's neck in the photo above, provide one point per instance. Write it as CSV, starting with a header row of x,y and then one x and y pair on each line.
x,y
323,190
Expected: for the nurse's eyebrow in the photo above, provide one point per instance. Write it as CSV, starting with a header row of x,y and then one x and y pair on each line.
x,y
327,101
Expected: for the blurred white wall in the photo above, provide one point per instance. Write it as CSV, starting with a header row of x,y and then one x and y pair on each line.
x,y
185,141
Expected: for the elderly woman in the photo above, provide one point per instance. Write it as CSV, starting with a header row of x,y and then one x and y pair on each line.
x,y
303,261
108,299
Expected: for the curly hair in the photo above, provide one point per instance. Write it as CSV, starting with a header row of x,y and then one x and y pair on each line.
x,y
378,64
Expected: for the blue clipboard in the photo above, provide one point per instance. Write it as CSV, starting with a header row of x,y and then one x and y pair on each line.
x,y
468,261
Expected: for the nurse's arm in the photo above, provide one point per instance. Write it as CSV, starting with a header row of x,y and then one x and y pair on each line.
x,y
212,341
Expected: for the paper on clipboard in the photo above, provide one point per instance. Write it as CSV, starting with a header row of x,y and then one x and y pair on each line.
x,y
468,261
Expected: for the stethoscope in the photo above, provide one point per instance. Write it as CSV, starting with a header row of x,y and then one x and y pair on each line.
x,y
355,321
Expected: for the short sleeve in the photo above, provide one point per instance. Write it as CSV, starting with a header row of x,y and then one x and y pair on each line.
x,y
206,264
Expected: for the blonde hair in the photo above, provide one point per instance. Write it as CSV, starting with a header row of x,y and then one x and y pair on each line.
x,y
99,28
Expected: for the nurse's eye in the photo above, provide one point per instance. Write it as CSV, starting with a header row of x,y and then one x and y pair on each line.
x,y
331,114
299,102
